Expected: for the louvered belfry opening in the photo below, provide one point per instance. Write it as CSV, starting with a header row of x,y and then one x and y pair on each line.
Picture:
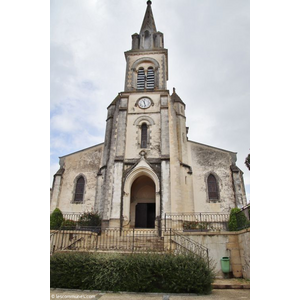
x,y
150,78
212,187
141,79
144,136
79,190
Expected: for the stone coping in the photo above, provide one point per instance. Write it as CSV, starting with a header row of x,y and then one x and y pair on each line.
x,y
190,232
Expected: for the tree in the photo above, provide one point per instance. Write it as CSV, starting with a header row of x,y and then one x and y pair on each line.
x,y
56,218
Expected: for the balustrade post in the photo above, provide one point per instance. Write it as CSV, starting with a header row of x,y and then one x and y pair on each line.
x,y
170,241
133,240
207,257
62,239
97,236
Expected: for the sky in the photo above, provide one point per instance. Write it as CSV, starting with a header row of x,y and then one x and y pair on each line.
x,y
208,44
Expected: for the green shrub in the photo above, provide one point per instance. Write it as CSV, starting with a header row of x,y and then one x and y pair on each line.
x,y
90,219
237,220
68,223
131,272
190,225
56,219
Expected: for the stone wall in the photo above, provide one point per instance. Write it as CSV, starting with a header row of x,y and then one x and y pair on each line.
x,y
84,163
206,160
244,243
235,245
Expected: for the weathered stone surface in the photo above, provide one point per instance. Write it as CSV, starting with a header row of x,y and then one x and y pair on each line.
x,y
84,163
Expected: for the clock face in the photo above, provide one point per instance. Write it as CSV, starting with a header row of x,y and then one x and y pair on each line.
x,y
144,102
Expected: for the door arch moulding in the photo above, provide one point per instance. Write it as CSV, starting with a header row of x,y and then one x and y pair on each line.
x,y
141,169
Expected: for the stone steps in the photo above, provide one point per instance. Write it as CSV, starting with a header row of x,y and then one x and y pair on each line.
x,y
110,240
153,243
231,283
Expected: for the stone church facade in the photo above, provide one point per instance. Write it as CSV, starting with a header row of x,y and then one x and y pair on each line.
x,y
146,166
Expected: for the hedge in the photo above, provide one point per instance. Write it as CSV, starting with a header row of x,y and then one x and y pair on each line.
x,y
130,272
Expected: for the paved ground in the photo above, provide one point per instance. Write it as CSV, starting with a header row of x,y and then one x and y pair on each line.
x,y
223,289
218,294
232,283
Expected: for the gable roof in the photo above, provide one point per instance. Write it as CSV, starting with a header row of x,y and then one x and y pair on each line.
x,y
82,150
208,146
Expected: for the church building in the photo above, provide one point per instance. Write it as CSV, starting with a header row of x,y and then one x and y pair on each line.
x,y
147,167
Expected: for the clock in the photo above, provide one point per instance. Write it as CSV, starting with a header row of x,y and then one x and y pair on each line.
x,y
144,102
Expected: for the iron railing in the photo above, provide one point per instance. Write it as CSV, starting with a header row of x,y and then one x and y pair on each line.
x,y
180,244
167,237
110,239
125,240
196,221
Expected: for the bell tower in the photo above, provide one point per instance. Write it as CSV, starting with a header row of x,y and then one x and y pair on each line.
x,y
147,61
135,170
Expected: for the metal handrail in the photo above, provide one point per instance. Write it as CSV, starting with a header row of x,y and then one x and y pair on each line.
x,y
200,216
109,239
73,243
210,221
187,244
127,240
52,233
188,241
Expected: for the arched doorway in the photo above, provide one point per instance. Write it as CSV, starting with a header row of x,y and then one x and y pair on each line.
x,y
143,182
142,203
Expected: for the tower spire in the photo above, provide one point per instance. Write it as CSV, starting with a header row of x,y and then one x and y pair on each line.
x,y
148,23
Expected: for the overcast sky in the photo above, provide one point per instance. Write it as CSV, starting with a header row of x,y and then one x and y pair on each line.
x,y
209,65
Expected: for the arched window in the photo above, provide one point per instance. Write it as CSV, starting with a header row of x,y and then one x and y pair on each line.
x,y
150,78
212,188
141,79
79,190
144,135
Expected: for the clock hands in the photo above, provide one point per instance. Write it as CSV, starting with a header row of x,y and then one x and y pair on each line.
x,y
144,103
